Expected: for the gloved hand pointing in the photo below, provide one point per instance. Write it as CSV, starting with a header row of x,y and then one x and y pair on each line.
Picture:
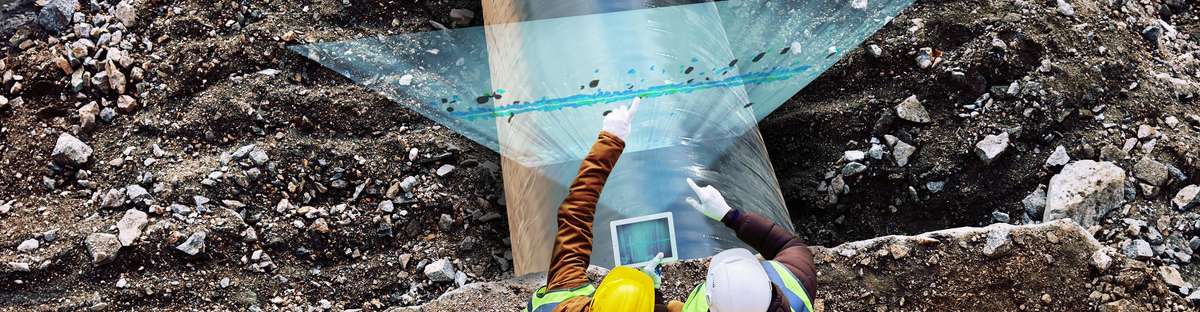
x,y
711,203
618,120
654,270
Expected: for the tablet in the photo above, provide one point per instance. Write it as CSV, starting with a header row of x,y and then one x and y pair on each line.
x,y
637,240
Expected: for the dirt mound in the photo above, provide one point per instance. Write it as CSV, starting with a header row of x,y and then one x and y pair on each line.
x,y
1031,267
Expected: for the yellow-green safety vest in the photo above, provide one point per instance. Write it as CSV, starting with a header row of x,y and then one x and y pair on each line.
x,y
545,301
697,300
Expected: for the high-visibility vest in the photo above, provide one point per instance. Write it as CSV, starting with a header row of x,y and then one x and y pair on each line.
x,y
545,301
697,301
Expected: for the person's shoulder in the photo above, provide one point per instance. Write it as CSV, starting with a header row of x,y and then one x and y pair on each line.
x,y
576,304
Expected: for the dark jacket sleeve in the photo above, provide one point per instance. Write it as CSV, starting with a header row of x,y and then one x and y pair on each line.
x,y
775,243
573,245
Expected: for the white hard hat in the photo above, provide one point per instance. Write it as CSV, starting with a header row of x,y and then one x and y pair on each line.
x,y
736,282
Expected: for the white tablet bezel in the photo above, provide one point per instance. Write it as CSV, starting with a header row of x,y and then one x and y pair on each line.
x,y
616,242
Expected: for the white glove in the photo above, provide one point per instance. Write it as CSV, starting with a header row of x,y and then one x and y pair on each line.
x,y
618,120
711,203
654,270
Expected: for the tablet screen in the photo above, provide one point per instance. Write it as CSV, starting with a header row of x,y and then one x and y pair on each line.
x,y
640,241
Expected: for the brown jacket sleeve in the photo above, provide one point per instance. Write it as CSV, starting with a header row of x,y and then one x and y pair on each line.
x,y
775,243
573,245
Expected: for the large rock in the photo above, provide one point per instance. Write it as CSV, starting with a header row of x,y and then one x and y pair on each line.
x,y
70,151
130,227
991,147
911,109
55,16
126,13
1058,158
1187,198
103,247
440,271
194,244
1085,191
1035,202
1151,171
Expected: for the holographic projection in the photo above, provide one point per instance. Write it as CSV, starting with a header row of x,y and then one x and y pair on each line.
x,y
534,82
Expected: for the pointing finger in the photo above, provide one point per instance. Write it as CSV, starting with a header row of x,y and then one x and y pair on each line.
x,y
695,188
633,108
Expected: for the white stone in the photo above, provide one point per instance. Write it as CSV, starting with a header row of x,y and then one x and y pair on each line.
x,y
1058,158
1172,277
130,227
1065,8
70,151
911,109
444,170
1187,198
28,245
102,247
440,271
1085,191
386,206
859,4
194,244
991,147
854,155
1101,260
997,244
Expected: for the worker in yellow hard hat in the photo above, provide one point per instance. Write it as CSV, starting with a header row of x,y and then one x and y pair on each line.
x,y
624,289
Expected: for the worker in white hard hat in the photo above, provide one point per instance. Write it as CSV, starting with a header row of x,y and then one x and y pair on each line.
x,y
739,281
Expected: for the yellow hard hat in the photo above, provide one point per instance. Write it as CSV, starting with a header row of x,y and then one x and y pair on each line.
x,y
624,289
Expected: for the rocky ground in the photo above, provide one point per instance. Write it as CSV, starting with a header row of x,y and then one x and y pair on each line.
x,y
175,154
